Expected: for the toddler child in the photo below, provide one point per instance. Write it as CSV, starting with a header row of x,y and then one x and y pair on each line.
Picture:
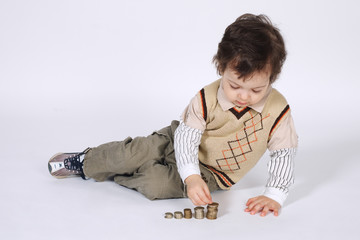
x,y
223,132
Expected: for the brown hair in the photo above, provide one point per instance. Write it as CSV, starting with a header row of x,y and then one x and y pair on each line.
x,y
249,44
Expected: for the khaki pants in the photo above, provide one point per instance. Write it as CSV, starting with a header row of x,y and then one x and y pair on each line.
x,y
145,164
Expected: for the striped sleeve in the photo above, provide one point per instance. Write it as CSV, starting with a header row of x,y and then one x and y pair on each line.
x,y
281,171
186,146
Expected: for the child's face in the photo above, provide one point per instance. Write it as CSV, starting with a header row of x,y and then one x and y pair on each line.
x,y
245,93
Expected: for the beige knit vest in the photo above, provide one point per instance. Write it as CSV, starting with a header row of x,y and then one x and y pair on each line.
x,y
234,140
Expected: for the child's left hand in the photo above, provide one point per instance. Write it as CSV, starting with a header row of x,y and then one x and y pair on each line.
x,y
262,204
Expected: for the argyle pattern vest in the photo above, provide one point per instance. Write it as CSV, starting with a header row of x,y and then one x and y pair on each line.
x,y
234,140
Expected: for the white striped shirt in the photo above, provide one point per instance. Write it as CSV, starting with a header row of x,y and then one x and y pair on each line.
x,y
282,146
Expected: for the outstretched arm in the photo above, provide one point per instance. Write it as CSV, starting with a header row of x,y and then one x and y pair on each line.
x,y
186,145
281,171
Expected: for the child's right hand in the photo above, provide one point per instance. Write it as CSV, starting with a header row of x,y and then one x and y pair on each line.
x,y
197,190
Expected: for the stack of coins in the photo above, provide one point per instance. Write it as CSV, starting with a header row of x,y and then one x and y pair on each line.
x,y
212,210
169,215
199,212
178,215
187,213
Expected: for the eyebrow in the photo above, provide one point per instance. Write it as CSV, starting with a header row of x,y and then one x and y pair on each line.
x,y
233,82
259,87
240,86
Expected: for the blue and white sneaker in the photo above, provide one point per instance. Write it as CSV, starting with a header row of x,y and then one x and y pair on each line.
x,y
63,165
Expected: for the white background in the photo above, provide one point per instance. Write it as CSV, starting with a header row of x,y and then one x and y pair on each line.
x,y
78,73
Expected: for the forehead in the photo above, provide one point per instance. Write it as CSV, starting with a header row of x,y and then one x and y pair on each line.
x,y
258,77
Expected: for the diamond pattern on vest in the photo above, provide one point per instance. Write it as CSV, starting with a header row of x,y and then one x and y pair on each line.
x,y
239,147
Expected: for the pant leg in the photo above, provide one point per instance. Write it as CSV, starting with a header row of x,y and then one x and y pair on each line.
x,y
155,180
146,164
123,157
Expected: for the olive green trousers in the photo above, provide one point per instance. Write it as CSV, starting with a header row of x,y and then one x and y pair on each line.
x,y
145,164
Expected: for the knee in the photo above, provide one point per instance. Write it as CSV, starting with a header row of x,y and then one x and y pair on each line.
x,y
151,191
159,186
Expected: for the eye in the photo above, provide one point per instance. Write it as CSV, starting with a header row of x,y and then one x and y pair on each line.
x,y
256,91
233,87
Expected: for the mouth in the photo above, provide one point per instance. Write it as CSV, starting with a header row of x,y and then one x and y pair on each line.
x,y
241,103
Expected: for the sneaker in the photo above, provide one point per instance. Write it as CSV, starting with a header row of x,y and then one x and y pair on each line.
x,y
64,165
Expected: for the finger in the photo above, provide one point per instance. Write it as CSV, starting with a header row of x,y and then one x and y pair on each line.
x,y
264,211
207,194
204,197
194,198
254,203
249,207
257,208
199,198
250,201
198,201
250,204
276,212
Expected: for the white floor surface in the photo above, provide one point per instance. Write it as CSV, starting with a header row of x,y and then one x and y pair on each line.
x,y
77,73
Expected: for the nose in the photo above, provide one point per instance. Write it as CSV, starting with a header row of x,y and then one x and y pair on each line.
x,y
243,95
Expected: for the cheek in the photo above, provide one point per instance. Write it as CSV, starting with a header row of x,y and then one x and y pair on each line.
x,y
230,93
234,94
257,97
254,96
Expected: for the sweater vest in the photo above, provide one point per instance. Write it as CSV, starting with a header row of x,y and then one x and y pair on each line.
x,y
234,140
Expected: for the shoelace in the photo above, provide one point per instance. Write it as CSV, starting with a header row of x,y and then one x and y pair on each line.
x,y
75,164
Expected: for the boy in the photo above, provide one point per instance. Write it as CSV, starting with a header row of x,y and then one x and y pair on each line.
x,y
222,133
